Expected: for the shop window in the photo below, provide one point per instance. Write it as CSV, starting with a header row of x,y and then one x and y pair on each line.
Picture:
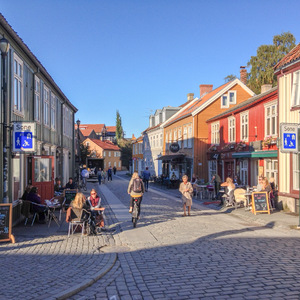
x,y
271,167
296,89
244,171
212,168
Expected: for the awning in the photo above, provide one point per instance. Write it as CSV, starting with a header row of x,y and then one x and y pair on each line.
x,y
257,154
171,157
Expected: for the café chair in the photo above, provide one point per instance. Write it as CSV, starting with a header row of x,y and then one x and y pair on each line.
x,y
78,219
26,211
240,198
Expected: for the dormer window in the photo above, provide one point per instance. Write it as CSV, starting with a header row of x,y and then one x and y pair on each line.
x,y
224,101
232,97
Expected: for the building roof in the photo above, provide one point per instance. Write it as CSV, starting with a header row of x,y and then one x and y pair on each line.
x,y
89,127
33,58
291,57
111,128
244,104
194,104
106,145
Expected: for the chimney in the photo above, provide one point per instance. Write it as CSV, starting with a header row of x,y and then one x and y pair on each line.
x,y
190,96
205,89
265,88
243,74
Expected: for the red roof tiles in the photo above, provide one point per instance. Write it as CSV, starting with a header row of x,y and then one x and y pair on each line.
x,y
106,145
293,55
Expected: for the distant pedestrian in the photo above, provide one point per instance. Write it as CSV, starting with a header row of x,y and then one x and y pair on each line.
x,y
186,189
115,170
103,176
99,175
146,177
109,174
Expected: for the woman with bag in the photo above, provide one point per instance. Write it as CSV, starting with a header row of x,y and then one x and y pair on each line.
x,y
186,189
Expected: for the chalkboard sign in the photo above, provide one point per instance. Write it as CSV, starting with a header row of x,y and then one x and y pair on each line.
x,y
260,202
69,197
6,223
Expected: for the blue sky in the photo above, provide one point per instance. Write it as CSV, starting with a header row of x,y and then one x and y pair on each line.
x,y
137,56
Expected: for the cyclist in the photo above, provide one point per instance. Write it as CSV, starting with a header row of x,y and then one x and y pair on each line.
x,y
136,189
84,174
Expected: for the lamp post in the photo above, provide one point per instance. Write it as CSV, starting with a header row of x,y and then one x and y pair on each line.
x,y
4,47
78,152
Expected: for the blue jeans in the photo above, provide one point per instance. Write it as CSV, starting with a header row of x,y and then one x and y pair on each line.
x,y
99,179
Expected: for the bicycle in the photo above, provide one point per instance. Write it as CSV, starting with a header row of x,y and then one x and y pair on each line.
x,y
82,185
135,211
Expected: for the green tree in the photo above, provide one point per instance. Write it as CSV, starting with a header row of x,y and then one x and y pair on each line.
x,y
119,128
126,152
84,153
229,78
266,58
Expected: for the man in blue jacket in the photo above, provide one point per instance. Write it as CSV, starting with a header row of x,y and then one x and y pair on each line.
x,y
146,177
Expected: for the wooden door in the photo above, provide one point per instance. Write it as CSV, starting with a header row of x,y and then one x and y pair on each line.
x,y
41,175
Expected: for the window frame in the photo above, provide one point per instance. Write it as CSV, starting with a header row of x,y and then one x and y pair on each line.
x,y
215,133
231,129
295,97
19,91
190,136
185,135
227,101
275,116
234,102
46,99
53,100
242,125
37,99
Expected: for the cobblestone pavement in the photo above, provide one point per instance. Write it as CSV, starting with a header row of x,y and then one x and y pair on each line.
x,y
45,264
210,255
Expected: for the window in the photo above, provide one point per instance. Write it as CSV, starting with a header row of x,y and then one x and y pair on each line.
x,y
167,136
244,172
53,110
244,127
175,135
109,154
68,122
296,171
37,99
46,106
161,140
18,84
184,137
215,133
115,163
179,137
296,89
271,166
271,120
119,164
212,168
224,101
232,97
231,129
104,153
190,137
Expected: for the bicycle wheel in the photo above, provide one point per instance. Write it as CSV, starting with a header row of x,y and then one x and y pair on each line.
x,y
84,187
134,215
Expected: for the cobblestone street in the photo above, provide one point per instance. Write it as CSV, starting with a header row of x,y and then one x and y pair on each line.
x,y
210,255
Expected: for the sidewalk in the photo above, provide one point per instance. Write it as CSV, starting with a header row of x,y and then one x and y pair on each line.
x,y
277,219
45,264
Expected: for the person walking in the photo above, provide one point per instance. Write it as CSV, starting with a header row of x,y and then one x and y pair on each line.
x,y
186,189
115,170
99,175
146,177
109,174
103,176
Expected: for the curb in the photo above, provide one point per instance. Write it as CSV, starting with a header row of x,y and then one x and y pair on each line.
x,y
86,283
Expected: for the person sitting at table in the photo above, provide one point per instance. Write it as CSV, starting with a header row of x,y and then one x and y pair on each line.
x,y
58,187
259,184
40,209
71,184
266,187
229,191
173,177
94,202
26,192
236,180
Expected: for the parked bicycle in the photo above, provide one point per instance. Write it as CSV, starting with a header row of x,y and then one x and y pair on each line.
x,y
82,185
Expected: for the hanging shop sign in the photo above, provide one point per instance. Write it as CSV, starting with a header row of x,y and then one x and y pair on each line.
x,y
174,147
24,137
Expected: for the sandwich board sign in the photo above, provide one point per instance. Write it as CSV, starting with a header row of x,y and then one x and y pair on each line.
x,y
24,137
289,136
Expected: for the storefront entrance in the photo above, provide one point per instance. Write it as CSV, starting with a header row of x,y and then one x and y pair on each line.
x,y
41,175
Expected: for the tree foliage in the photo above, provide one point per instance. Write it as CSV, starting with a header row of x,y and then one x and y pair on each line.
x,y
126,152
229,78
119,128
84,153
267,57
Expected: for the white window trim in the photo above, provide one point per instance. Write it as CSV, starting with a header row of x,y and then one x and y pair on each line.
x,y
295,99
53,109
190,137
231,128
227,103
215,133
185,137
46,105
234,102
37,82
241,126
269,105
20,79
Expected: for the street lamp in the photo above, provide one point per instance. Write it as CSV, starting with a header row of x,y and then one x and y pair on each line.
x,y
78,152
4,47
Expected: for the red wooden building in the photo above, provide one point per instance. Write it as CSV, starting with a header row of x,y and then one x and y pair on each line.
x,y
243,139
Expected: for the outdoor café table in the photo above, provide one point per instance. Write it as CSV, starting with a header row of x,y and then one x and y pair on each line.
x,y
248,197
202,189
52,206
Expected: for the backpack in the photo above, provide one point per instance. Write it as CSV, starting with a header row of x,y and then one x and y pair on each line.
x,y
137,186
